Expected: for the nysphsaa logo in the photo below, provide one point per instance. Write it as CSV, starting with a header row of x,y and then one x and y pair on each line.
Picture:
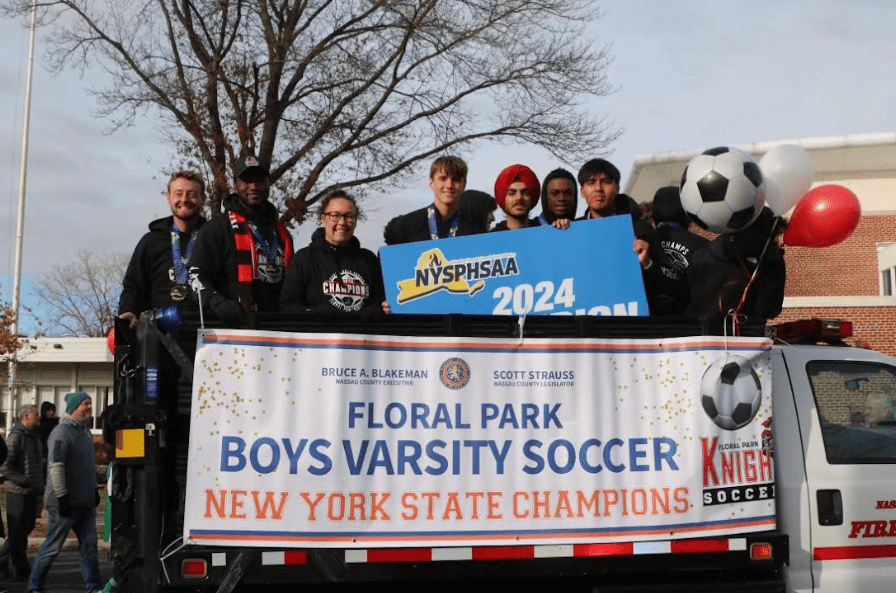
x,y
435,272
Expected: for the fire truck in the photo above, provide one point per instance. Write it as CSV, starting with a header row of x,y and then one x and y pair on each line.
x,y
818,462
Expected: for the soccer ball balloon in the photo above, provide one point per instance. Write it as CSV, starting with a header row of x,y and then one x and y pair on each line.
x,y
723,189
731,392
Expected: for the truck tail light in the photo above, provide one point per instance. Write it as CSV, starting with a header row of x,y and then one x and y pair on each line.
x,y
194,568
761,552
815,329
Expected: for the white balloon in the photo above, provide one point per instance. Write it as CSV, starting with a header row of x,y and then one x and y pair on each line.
x,y
788,171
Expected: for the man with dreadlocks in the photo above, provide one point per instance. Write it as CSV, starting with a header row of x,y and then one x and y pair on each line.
x,y
241,257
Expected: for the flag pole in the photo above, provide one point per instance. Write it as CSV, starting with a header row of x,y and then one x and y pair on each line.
x,y
12,395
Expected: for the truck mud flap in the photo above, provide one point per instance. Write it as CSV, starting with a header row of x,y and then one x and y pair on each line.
x,y
329,564
236,572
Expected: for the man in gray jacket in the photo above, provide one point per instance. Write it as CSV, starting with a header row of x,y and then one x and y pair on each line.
x,y
24,473
71,496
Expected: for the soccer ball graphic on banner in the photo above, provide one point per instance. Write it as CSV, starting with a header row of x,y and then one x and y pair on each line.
x,y
731,392
723,189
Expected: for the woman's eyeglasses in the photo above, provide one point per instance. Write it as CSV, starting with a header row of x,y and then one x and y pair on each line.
x,y
337,216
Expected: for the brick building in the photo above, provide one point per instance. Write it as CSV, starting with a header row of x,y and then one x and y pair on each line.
x,y
854,280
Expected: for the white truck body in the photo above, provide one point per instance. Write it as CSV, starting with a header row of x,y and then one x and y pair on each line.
x,y
835,460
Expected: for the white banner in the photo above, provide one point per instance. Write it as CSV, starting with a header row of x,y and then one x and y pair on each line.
x,y
332,440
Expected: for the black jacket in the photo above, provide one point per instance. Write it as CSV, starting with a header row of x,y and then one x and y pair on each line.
x,y
213,265
672,248
414,226
720,273
502,226
24,466
626,204
325,278
150,275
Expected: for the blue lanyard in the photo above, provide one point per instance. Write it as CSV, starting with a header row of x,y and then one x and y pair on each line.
x,y
543,219
434,229
180,261
270,249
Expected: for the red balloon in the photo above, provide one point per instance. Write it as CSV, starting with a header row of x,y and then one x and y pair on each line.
x,y
823,217
110,340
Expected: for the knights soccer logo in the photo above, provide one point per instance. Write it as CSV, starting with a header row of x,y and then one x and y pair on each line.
x,y
347,291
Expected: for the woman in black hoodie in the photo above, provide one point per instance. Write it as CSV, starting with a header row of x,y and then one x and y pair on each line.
x,y
334,274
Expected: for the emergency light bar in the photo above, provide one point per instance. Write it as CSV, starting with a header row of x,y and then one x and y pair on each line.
x,y
815,329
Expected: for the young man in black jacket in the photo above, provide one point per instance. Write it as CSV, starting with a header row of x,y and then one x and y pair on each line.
x,y
157,273
442,218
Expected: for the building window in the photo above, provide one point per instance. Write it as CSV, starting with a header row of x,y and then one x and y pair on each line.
x,y
886,264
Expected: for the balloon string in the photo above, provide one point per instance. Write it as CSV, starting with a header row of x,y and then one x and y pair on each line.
x,y
743,297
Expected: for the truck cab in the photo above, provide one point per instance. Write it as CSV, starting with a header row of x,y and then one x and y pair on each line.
x,y
835,456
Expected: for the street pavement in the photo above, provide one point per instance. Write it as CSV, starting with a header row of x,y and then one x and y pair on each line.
x,y
64,576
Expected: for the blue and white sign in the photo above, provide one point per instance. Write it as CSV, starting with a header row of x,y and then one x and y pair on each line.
x,y
587,269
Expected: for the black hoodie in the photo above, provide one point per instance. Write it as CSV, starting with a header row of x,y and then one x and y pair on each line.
x,y
326,278
672,249
149,278
546,217
720,275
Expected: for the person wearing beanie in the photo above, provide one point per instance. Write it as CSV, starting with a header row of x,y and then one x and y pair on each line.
x,y
71,497
516,190
558,199
672,249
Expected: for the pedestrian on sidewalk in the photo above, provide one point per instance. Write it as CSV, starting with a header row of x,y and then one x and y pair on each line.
x,y
71,496
24,473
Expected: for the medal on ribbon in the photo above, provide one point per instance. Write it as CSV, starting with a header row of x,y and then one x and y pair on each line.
x,y
179,290
433,227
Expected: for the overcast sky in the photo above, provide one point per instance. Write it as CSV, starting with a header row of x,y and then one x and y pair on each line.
x,y
689,75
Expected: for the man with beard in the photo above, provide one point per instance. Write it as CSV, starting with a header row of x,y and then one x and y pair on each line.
x,y
442,218
241,257
516,189
157,273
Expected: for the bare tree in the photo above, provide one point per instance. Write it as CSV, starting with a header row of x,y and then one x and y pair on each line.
x,y
339,93
80,298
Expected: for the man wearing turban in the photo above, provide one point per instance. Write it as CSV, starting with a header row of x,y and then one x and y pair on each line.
x,y
517,190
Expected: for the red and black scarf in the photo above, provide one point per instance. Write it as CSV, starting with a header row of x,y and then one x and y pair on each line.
x,y
247,257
